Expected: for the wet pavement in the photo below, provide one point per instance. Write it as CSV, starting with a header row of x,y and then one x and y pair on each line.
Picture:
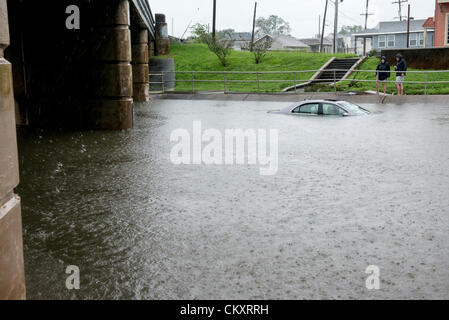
x,y
350,192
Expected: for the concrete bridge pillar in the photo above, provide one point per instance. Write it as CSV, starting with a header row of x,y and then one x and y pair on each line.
x,y
140,53
162,40
152,49
12,278
111,105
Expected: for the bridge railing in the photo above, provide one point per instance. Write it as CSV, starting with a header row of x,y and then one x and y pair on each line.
x,y
147,16
257,81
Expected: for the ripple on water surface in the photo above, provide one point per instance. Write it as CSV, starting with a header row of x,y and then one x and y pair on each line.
x,y
349,192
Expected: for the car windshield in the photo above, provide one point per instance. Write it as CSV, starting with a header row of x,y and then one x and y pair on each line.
x,y
351,107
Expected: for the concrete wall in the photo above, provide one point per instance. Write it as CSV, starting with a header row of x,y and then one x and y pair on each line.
x,y
156,66
429,58
12,279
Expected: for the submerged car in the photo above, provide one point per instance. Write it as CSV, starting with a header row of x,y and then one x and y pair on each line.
x,y
324,107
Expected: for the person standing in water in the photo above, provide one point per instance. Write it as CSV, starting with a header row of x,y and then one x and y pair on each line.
x,y
382,74
401,68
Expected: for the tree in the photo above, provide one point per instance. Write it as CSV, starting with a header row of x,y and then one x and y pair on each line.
x,y
260,49
222,48
198,31
350,29
225,33
273,25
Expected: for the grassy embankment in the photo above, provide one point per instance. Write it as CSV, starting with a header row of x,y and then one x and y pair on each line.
x,y
197,57
410,88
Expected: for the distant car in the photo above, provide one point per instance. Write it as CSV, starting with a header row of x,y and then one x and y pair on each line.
x,y
324,107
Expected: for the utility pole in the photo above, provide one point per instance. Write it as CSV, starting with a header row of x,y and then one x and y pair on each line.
x,y
400,3
408,27
336,26
324,24
214,16
254,26
319,25
366,14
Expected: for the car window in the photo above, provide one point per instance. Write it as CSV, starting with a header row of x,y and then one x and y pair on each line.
x,y
331,109
353,107
310,108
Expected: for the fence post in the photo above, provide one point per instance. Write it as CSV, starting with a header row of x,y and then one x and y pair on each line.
x,y
224,81
335,82
193,83
425,84
258,82
294,79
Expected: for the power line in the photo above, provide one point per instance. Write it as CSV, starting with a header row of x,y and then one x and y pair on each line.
x,y
366,14
348,17
400,3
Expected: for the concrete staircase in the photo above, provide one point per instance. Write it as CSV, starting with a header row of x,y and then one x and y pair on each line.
x,y
343,69
343,66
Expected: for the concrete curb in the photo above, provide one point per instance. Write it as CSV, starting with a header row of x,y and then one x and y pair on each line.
x,y
356,98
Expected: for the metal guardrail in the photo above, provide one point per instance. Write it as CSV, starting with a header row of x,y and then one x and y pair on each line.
x,y
295,81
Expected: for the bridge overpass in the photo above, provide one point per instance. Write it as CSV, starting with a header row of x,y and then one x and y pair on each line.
x,y
54,75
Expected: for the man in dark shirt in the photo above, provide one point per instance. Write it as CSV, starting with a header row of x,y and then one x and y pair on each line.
x,y
382,74
401,69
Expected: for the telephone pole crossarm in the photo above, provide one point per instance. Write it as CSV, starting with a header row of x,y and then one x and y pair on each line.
x,y
400,3
366,14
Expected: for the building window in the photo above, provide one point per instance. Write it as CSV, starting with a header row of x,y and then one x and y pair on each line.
x,y
391,41
413,39
421,39
382,42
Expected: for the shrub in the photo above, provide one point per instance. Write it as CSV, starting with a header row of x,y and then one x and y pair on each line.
x,y
220,47
259,49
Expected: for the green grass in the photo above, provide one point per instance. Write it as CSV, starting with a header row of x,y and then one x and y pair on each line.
x,y
197,57
410,88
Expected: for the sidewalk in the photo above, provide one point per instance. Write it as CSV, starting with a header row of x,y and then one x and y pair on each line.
x,y
356,98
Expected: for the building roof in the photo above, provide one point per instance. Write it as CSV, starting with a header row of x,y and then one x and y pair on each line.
x,y
287,41
430,23
239,36
386,27
316,41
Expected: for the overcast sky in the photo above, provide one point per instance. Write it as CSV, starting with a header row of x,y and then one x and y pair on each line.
x,y
301,14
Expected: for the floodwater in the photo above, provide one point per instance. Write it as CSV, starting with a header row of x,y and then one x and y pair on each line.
x,y
350,192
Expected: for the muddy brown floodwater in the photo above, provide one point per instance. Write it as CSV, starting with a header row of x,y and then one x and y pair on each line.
x,y
350,192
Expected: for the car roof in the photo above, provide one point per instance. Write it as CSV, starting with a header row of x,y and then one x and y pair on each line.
x,y
321,101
